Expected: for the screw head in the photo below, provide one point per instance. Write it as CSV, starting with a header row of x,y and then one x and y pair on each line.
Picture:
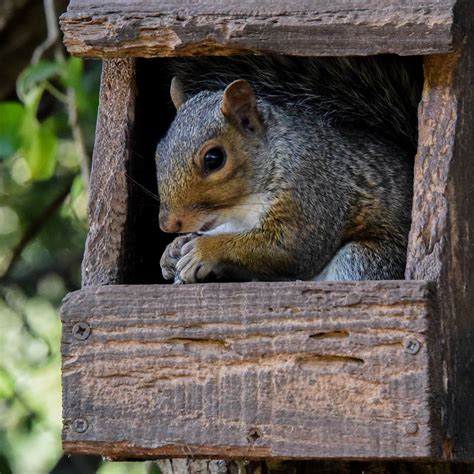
x,y
411,428
80,425
81,331
253,435
412,346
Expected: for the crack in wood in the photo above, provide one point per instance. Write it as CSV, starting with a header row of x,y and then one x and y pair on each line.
x,y
337,334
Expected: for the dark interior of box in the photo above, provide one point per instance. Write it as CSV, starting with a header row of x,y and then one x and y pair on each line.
x,y
145,242
154,111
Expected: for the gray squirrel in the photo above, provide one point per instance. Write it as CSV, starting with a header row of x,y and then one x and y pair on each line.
x,y
281,168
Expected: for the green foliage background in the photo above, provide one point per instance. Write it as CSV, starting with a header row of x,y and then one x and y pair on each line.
x,y
43,213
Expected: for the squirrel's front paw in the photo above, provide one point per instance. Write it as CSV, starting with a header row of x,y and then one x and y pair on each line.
x,y
192,267
172,254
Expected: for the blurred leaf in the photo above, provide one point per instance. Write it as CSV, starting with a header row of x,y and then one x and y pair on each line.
x,y
32,99
68,155
154,469
77,187
34,75
39,148
11,118
7,386
72,73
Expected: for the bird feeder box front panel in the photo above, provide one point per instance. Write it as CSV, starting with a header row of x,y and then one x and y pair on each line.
x,y
288,370
253,370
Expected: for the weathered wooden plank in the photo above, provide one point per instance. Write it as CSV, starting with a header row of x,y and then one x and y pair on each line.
x,y
253,370
441,246
108,201
307,27
438,120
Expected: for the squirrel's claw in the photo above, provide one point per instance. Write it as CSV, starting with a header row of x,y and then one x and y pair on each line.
x,y
181,262
190,267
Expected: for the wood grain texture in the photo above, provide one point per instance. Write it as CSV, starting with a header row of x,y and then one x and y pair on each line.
x,y
441,245
307,27
256,370
438,119
108,200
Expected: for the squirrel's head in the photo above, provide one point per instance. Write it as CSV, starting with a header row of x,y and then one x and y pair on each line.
x,y
205,161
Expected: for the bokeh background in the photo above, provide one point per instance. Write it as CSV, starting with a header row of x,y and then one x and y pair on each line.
x,y
48,106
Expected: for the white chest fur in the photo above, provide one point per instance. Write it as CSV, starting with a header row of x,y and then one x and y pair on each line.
x,y
244,217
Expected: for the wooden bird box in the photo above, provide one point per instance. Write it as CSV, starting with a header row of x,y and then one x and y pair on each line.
x,y
289,370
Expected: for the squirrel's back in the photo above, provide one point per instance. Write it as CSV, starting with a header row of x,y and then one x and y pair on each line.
x,y
377,94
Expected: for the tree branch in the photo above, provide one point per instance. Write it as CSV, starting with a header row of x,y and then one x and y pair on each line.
x,y
52,39
35,227
53,33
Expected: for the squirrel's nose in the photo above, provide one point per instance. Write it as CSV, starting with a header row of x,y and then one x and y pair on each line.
x,y
169,223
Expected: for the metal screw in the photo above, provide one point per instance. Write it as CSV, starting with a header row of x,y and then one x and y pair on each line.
x,y
253,435
411,428
412,346
81,331
80,425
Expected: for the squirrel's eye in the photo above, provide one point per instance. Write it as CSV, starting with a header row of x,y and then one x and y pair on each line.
x,y
214,159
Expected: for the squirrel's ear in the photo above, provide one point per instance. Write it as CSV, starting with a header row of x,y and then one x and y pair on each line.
x,y
239,105
178,96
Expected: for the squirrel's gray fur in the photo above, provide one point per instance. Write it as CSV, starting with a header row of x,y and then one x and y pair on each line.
x,y
380,93
339,137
